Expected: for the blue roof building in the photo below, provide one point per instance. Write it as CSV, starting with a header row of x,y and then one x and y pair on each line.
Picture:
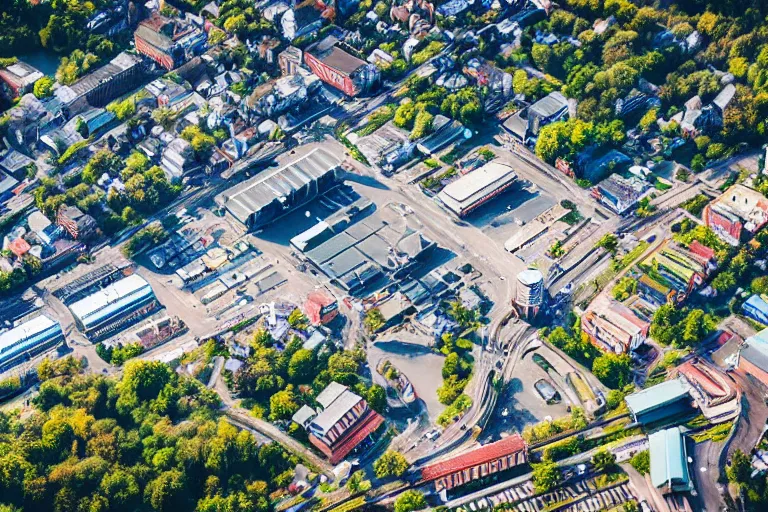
x,y
669,461
660,402
27,340
756,308
115,305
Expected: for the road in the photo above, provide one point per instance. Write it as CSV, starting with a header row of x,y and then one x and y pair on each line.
x,y
707,468
241,418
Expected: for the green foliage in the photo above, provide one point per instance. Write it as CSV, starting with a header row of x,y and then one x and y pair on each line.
x,y
391,463
202,143
357,482
373,320
613,370
696,204
122,109
681,327
604,460
72,151
409,501
120,354
377,119
422,125
565,139
546,476
739,471
152,235
78,64
550,428
641,461
624,288
556,249
609,242
431,50
455,410
43,88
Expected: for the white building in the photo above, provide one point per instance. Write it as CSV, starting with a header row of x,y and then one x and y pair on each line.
x,y
530,292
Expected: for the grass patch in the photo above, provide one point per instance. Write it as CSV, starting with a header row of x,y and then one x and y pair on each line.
x,y
715,434
660,185
377,119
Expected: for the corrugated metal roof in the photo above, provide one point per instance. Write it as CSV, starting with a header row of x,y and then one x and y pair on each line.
x,y
669,465
25,331
252,195
112,297
469,189
656,396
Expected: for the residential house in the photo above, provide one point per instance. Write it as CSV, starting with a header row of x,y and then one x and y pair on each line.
x,y
613,327
169,42
79,225
737,214
18,79
526,123
620,194
342,422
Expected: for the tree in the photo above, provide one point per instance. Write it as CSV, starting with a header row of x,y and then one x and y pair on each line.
x,y
301,366
409,501
405,115
391,463
556,250
202,143
604,460
164,116
103,161
358,483
377,398
298,320
373,320
168,492
122,109
759,284
648,120
283,404
613,370
739,471
236,24
546,476
624,289
142,381
609,242
43,88
724,281
422,125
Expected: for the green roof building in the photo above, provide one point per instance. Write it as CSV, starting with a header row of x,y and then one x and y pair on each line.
x,y
669,461
660,402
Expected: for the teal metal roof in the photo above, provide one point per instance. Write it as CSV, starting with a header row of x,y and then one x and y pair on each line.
x,y
656,396
669,461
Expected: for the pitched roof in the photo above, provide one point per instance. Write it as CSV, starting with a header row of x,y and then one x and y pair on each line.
x,y
656,396
698,375
669,465
487,453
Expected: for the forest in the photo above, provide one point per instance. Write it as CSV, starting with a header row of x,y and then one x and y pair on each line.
x,y
150,440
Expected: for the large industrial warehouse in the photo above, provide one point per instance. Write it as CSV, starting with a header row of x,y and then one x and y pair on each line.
x,y
273,194
476,188
28,339
114,306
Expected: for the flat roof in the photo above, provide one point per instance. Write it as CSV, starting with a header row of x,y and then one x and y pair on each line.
x,y
656,396
331,392
25,331
108,296
669,464
252,195
472,187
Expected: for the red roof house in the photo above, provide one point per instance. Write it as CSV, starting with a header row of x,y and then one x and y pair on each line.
x,y
19,247
486,460
320,308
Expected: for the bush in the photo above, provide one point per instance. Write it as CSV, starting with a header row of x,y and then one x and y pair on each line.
x,y
641,462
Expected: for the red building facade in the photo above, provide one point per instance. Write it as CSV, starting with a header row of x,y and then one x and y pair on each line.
x,y
479,463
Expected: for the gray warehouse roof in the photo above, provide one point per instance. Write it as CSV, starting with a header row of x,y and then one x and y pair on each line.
x,y
252,195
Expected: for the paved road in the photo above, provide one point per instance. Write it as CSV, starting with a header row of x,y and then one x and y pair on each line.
x,y
754,413
707,455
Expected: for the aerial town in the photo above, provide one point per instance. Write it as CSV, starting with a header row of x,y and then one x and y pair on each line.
x,y
384,255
